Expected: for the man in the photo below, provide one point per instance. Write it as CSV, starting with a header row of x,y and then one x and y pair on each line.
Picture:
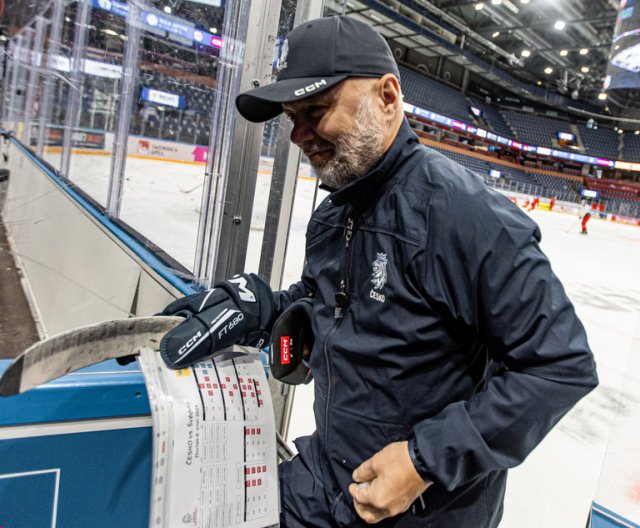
x,y
445,348
586,216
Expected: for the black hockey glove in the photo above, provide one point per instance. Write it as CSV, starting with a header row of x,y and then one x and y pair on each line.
x,y
235,311
291,343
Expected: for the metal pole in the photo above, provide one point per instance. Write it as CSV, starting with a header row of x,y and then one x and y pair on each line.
x,y
234,37
34,75
123,119
283,181
53,50
75,78
7,103
249,31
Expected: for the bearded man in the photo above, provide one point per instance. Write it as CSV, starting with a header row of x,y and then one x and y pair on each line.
x,y
445,347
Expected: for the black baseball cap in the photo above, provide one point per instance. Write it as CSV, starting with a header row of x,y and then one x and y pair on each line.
x,y
317,55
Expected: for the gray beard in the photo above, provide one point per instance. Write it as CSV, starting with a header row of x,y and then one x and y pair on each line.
x,y
355,152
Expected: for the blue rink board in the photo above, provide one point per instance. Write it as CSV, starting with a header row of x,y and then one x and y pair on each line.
x,y
104,390
90,477
602,517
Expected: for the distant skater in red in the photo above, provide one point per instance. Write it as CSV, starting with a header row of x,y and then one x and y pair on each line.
x,y
585,218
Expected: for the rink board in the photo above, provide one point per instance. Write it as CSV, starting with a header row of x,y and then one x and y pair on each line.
x,y
601,517
77,451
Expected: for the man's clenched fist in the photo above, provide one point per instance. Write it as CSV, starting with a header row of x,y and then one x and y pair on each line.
x,y
235,311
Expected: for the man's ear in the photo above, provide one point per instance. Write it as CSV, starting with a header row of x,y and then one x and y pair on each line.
x,y
389,90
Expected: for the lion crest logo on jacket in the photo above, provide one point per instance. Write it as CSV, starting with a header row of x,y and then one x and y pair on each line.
x,y
379,271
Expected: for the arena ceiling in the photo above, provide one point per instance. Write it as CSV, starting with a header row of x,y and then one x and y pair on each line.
x,y
488,38
537,43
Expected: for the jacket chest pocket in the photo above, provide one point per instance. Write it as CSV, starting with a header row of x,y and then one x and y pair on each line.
x,y
380,269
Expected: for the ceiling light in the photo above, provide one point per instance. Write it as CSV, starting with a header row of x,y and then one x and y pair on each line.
x,y
559,25
548,70
496,2
539,83
167,10
524,1
525,53
495,34
584,51
620,131
602,96
564,53
110,32
636,132
479,6
584,69
213,30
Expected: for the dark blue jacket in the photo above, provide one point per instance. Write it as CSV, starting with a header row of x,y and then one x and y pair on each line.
x,y
436,313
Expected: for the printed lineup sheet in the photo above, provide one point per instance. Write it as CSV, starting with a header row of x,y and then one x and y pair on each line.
x,y
214,443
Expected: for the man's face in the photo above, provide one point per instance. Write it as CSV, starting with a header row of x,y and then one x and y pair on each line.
x,y
340,131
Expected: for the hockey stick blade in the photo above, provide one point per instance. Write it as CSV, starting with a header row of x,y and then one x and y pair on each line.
x,y
61,354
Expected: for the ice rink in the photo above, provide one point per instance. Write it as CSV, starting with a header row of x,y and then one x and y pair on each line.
x,y
555,486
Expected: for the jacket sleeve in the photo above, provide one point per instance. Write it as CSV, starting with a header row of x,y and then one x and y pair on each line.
x,y
302,288
486,267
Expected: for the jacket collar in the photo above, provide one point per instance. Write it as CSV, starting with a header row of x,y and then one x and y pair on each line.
x,y
363,192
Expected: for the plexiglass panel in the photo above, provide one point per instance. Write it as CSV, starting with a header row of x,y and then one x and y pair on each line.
x,y
170,124
59,51
20,57
98,91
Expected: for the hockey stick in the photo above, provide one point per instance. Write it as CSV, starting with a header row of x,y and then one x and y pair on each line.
x,y
67,352
61,354
189,191
572,226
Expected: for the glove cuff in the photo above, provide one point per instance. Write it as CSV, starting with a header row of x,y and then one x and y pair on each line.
x,y
291,343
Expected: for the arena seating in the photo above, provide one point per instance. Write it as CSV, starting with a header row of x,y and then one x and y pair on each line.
x,y
430,94
631,147
188,130
535,183
601,142
562,188
535,130
508,174
624,207
494,118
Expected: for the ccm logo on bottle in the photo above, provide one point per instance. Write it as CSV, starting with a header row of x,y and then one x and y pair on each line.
x,y
311,88
285,350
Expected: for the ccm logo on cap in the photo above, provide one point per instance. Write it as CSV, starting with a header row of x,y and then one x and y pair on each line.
x,y
285,350
311,88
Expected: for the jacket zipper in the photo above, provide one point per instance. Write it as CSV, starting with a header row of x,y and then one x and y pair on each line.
x,y
342,297
341,303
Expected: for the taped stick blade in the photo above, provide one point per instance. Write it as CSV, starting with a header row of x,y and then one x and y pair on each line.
x,y
82,347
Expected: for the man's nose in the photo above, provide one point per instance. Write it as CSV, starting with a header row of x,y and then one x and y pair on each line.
x,y
302,131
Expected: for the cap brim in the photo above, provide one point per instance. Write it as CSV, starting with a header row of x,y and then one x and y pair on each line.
x,y
264,103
